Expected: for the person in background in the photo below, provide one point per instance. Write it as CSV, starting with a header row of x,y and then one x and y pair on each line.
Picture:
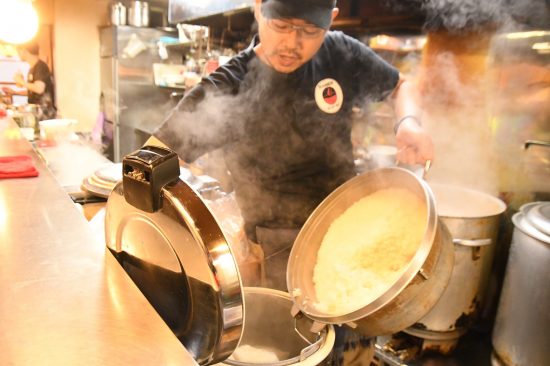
x,y
281,110
39,82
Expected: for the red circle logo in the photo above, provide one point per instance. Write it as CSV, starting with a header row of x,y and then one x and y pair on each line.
x,y
329,95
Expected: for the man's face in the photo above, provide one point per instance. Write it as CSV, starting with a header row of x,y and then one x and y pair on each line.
x,y
22,54
287,44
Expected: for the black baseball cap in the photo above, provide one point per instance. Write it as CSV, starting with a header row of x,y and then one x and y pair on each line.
x,y
316,12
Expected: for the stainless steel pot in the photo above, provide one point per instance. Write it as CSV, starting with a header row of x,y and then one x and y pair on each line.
x,y
412,295
138,14
521,332
118,14
472,217
284,339
169,241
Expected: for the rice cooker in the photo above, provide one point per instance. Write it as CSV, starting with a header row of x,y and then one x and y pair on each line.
x,y
168,241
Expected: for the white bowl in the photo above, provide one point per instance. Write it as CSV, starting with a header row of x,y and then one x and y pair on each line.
x,y
56,129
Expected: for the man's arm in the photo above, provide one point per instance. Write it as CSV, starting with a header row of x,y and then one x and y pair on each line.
x,y
37,86
414,144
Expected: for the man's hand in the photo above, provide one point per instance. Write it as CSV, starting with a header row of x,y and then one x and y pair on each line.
x,y
414,145
19,80
8,91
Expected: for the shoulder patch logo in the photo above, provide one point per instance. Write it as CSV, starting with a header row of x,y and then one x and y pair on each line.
x,y
329,95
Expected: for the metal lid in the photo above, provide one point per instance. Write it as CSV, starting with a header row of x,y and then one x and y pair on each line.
x,y
179,258
534,219
539,217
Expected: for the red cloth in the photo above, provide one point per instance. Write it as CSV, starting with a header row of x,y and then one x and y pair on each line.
x,y
19,166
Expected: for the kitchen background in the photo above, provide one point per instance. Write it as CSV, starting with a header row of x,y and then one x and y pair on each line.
x,y
483,68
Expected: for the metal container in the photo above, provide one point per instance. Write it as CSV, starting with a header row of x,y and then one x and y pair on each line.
x,y
413,294
138,14
286,340
521,332
170,244
118,14
473,218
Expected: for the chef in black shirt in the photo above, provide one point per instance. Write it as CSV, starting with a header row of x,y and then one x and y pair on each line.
x,y
281,110
39,82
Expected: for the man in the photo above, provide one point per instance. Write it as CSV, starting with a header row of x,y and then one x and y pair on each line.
x,y
281,111
39,82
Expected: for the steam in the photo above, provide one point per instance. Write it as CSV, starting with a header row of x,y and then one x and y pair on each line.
x,y
468,111
457,93
465,14
471,15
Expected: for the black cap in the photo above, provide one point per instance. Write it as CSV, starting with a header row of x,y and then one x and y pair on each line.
x,y
316,12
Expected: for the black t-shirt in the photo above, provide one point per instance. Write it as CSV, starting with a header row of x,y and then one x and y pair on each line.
x,y
41,72
286,137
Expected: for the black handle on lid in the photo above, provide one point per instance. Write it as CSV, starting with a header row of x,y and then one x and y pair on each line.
x,y
145,172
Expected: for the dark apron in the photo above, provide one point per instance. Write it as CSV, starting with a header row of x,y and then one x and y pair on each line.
x,y
276,244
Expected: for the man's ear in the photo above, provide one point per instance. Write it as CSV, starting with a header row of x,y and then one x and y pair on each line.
x,y
257,9
335,12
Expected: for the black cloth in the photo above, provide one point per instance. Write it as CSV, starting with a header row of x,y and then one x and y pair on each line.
x,y
284,153
46,100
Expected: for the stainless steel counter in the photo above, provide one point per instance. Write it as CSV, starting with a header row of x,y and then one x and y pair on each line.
x,y
64,300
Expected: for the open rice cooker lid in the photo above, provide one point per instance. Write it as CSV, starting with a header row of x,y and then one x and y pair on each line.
x,y
169,243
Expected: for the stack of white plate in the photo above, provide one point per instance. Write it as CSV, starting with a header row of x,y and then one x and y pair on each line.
x,y
102,182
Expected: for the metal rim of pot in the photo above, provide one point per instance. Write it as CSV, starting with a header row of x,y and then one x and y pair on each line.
x,y
299,278
529,220
312,355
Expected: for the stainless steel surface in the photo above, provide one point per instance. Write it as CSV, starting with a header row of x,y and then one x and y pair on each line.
x,y
182,262
181,11
70,162
133,105
65,299
473,218
520,334
413,294
275,332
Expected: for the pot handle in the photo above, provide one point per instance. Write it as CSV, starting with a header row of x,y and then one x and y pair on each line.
x,y
472,242
475,244
536,142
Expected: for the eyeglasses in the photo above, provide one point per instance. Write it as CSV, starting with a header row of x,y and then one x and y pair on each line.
x,y
281,26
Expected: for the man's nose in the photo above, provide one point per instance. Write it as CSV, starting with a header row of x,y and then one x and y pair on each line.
x,y
294,38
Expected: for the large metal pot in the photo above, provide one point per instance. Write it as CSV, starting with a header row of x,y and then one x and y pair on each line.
x,y
416,290
521,332
472,217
